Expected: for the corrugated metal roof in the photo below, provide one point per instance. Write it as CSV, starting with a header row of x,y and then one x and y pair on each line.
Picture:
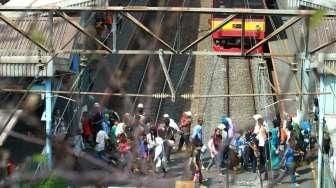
x,y
323,34
12,43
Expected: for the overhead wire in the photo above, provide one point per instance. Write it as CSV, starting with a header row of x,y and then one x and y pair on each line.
x,y
169,65
78,77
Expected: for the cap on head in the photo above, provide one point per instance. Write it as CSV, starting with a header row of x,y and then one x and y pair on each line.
x,y
188,113
166,115
140,105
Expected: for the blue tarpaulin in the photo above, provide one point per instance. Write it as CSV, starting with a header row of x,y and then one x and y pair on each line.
x,y
75,61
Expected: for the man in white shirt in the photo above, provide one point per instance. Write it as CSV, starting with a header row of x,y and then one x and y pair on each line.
x,y
100,143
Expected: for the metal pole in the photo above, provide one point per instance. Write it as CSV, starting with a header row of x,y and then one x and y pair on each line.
x,y
166,73
48,112
200,10
332,41
49,98
242,42
320,134
114,30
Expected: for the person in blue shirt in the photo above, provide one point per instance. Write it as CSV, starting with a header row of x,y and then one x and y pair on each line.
x,y
197,133
289,163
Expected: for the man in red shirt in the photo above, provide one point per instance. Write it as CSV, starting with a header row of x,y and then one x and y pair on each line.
x,y
87,127
185,126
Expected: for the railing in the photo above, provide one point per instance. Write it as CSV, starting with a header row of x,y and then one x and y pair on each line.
x,y
316,4
328,177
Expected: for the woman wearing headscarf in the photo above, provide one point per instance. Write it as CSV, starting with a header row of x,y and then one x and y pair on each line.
x,y
214,145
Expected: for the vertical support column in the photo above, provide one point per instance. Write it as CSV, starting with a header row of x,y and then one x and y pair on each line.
x,y
178,28
305,75
242,42
114,31
166,73
48,112
320,134
48,100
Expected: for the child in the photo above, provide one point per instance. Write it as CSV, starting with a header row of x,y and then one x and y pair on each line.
x,y
240,146
123,146
143,150
256,156
196,165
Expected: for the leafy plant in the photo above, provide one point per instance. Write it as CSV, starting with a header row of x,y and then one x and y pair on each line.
x,y
316,18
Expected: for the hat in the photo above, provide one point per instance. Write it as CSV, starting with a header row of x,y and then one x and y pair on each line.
x,y
188,113
257,116
140,105
224,120
166,115
221,126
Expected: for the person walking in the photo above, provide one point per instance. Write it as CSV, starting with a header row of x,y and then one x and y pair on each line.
x,y
160,159
214,146
87,128
197,131
169,134
196,164
101,143
289,165
185,126
78,147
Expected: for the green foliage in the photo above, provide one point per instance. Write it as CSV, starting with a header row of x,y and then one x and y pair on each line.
x,y
316,18
38,36
39,158
50,182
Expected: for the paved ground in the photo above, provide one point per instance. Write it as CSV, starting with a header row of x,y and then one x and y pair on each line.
x,y
239,178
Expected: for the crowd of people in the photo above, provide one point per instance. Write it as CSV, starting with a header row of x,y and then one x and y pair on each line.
x,y
135,143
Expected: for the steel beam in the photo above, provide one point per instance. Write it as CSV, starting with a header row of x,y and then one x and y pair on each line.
x,y
242,42
323,46
23,33
203,10
161,95
114,31
143,27
166,73
156,52
81,29
226,20
287,24
48,112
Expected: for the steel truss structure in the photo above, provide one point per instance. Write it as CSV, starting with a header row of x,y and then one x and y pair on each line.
x,y
125,12
187,50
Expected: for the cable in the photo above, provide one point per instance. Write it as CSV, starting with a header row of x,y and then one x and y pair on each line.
x,y
169,65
